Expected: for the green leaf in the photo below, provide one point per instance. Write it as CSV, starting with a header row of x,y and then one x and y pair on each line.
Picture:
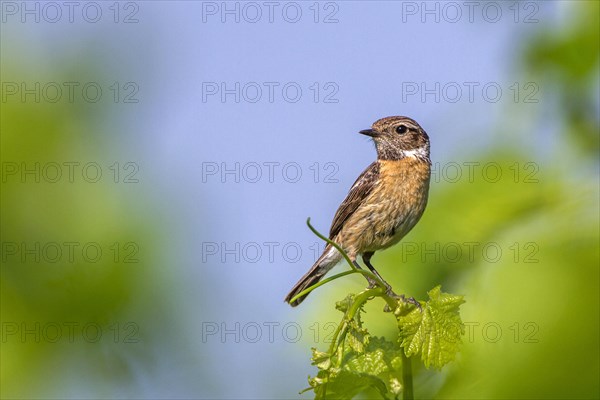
x,y
344,305
321,359
361,363
377,368
435,332
357,337
358,363
346,385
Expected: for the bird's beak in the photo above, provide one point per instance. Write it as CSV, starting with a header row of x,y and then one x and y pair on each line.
x,y
370,132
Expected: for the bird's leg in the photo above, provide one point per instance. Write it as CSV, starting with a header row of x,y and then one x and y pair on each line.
x,y
372,282
367,260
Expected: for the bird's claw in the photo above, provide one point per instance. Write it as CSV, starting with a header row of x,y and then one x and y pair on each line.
x,y
412,300
372,283
403,298
389,292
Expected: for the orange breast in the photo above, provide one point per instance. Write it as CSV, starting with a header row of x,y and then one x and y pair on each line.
x,y
391,210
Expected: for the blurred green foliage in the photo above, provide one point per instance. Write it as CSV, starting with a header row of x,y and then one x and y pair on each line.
x,y
71,320
566,62
532,314
522,246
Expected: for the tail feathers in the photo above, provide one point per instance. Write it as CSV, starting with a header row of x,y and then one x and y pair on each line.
x,y
328,259
312,277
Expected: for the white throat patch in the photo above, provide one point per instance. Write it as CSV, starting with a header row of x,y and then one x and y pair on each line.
x,y
419,153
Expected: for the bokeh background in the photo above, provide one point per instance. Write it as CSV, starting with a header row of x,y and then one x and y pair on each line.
x,y
163,277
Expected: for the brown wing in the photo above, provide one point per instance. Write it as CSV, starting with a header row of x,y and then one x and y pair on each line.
x,y
358,192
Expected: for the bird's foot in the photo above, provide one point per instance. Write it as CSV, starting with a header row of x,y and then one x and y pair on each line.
x,y
403,298
388,289
372,283
389,292
412,300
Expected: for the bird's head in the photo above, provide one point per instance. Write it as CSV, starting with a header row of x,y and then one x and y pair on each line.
x,y
399,137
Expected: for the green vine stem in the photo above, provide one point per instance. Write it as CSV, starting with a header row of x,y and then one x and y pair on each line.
x,y
350,263
360,299
407,378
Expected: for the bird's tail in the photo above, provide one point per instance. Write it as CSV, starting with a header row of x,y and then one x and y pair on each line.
x,y
328,259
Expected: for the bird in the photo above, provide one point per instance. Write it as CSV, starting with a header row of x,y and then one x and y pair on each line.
x,y
383,205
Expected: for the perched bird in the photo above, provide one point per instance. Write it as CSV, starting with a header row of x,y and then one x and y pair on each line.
x,y
385,202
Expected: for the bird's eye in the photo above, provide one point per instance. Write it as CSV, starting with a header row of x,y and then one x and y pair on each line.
x,y
401,129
